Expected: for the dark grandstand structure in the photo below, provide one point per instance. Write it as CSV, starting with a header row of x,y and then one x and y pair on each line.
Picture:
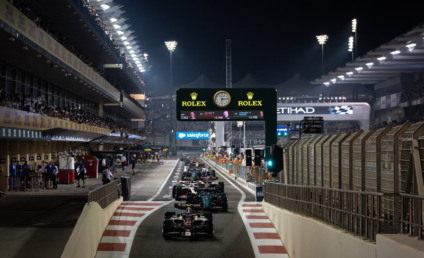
x,y
69,82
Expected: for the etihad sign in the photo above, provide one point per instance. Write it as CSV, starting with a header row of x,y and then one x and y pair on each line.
x,y
250,102
296,110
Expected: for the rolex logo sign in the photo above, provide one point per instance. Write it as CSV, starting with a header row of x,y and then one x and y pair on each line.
x,y
193,102
193,96
250,102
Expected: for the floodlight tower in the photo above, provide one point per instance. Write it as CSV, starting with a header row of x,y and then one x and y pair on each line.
x,y
354,30
351,45
321,40
171,45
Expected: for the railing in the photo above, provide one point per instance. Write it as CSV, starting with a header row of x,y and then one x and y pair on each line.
x,y
22,183
106,194
357,212
411,218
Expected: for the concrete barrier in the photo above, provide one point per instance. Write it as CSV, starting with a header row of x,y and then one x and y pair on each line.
x,y
399,245
305,237
89,229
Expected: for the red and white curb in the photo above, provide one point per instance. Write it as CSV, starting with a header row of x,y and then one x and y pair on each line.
x,y
264,237
119,234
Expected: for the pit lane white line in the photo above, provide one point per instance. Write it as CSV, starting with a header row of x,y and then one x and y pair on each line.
x,y
164,182
240,208
253,241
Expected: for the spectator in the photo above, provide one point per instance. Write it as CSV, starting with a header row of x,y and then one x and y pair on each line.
x,y
12,174
81,173
106,176
123,162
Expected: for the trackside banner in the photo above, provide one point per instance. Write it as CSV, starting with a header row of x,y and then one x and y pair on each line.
x,y
192,135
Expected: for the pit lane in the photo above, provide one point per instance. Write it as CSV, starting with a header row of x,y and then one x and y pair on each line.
x,y
231,238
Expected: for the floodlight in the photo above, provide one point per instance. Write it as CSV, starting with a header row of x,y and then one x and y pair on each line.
x,y
322,39
354,25
171,45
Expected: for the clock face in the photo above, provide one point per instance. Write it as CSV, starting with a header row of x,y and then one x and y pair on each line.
x,y
222,98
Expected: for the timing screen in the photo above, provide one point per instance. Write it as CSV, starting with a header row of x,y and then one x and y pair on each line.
x,y
223,115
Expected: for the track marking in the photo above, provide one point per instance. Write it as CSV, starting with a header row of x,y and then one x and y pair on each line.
x,y
164,182
119,235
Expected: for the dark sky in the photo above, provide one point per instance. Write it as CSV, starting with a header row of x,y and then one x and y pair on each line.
x,y
272,40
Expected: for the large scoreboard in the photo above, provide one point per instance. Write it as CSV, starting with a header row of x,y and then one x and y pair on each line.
x,y
229,104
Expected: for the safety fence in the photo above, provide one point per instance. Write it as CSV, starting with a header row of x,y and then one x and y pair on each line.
x,y
355,211
106,194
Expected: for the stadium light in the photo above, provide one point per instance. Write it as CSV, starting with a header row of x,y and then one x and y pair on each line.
x,y
354,24
327,84
120,32
116,26
334,80
370,64
396,52
411,47
321,40
355,40
171,45
381,59
349,74
105,6
113,20
341,77
350,46
358,69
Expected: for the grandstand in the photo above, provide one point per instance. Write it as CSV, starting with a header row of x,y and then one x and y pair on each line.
x,y
59,80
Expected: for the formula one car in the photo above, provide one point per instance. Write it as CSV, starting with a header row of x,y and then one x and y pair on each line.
x,y
209,200
190,223
180,191
192,174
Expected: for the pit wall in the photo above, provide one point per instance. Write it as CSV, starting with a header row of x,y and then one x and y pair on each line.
x,y
304,237
89,229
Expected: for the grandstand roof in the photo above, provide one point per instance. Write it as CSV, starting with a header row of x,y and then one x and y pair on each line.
x,y
403,54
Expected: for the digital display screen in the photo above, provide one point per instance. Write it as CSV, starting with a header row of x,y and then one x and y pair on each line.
x,y
223,115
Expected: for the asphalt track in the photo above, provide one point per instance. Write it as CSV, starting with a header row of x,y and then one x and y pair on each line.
x,y
231,238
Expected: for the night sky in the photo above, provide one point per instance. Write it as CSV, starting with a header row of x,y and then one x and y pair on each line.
x,y
272,40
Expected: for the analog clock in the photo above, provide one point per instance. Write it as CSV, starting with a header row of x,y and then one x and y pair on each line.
x,y
222,98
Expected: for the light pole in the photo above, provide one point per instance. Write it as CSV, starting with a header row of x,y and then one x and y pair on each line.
x,y
354,30
321,40
351,45
171,45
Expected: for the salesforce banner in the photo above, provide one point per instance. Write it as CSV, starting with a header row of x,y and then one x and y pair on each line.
x,y
192,135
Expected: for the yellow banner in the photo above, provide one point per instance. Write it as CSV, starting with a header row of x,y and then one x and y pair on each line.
x,y
10,15
20,119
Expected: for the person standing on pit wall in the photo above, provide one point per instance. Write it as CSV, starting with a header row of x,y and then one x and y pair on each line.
x,y
123,162
12,174
81,173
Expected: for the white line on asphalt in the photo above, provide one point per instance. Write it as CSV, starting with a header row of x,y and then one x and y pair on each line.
x,y
164,182
240,211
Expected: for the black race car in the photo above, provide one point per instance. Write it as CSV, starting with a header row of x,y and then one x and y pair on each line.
x,y
191,224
